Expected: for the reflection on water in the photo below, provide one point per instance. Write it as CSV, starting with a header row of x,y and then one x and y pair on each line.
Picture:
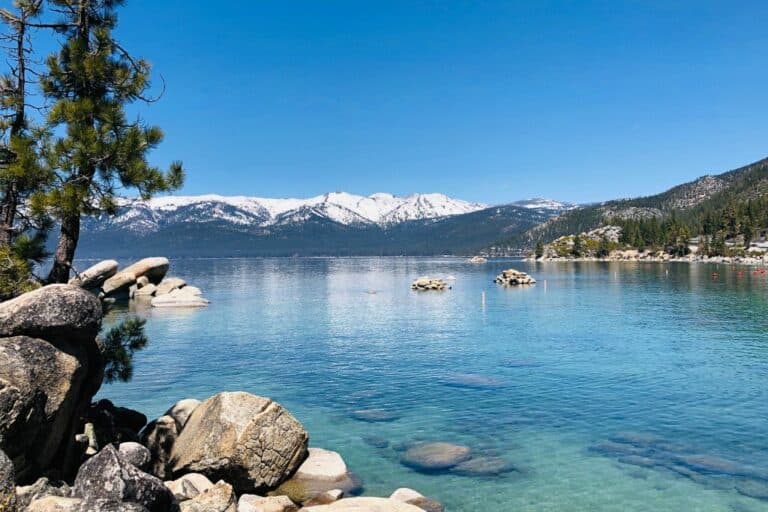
x,y
604,387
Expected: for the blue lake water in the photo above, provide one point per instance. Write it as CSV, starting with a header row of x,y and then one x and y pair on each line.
x,y
629,387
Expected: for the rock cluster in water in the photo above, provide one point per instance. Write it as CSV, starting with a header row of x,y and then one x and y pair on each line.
x,y
233,452
429,283
512,277
651,451
144,280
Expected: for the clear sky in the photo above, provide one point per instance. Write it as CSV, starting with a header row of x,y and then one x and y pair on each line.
x,y
484,100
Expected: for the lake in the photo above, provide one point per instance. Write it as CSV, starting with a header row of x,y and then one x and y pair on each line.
x,y
606,386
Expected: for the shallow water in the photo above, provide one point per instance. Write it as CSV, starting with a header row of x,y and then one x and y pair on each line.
x,y
539,376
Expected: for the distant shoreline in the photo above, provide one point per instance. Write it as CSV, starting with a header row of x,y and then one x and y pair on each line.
x,y
727,260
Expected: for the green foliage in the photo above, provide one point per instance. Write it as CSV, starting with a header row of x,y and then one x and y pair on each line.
x,y
120,343
15,274
603,248
577,250
539,252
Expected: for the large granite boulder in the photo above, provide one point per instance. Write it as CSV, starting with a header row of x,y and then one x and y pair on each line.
x,y
181,410
55,312
246,440
93,277
417,499
323,471
42,488
50,368
153,269
189,486
119,285
69,504
253,503
169,284
108,477
41,391
7,483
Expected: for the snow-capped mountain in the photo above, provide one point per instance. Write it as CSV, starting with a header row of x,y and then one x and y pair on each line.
x,y
255,212
540,203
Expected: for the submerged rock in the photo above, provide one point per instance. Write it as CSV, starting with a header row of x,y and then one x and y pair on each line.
x,y
374,415
437,456
483,466
753,488
249,441
472,380
180,298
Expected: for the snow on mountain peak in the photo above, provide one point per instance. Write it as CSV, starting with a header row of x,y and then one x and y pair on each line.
x,y
540,203
342,207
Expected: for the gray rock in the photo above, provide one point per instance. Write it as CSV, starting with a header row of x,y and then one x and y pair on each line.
x,y
68,504
145,291
253,503
757,489
40,489
246,440
375,415
438,456
181,410
109,477
119,285
54,312
142,281
93,277
42,390
154,269
179,298
136,454
365,505
169,284
7,483
159,437
219,498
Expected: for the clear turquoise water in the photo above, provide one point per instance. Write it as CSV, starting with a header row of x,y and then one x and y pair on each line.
x,y
590,353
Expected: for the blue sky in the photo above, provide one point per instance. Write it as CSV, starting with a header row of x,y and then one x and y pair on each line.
x,y
485,100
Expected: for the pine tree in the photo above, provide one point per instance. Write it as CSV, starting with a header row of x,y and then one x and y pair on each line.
x,y
539,253
90,81
577,248
22,172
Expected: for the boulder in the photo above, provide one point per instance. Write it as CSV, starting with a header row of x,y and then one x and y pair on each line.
x,y
482,466
169,284
412,497
189,486
159,437
219,498
181,410
512,277
53,313
112,424
246,440
42,390
145,291
429,283
323,471
93,277
179,298
365,505
119,284
154,269
253,503
7,483
429,457
107,476
136,454
375,415
192,290
40,489
325,498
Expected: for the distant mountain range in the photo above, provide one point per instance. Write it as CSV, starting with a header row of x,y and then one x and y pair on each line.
x,y
331,224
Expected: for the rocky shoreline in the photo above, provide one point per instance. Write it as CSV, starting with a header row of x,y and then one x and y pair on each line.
x,y
638,257
233,452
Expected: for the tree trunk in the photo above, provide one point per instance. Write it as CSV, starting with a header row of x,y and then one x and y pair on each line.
x,y
65,249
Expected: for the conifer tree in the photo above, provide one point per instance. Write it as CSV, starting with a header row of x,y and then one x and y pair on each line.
x,y
90,81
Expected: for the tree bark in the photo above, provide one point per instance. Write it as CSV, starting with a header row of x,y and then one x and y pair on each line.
x,y
65,249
